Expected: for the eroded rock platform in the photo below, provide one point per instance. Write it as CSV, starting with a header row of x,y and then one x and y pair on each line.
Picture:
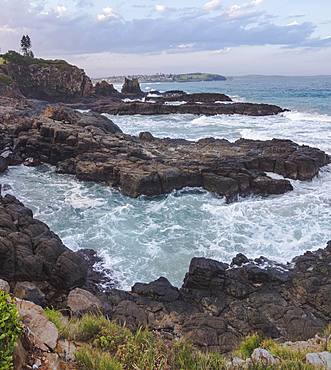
x,y
92,147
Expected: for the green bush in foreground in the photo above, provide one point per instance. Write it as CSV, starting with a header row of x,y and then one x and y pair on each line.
x,y
10,329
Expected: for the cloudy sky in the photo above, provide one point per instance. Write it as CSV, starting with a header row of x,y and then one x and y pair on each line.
x,y
232,37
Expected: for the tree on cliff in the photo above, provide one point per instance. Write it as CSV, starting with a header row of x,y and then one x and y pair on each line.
x,y
26,46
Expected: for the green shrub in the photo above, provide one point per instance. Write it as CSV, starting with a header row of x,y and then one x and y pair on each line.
x,y
109,345
248,344
284,352
59,321
186,357
89,359
10,329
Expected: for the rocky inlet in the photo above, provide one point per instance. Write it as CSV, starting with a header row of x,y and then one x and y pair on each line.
x,y
217,304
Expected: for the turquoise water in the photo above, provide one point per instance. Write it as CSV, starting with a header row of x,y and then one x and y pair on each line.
x,y
142,239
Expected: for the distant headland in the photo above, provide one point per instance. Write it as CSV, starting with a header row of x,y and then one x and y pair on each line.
x,y
162,77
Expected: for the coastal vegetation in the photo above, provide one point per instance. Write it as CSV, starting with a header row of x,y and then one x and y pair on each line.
x,y
104,344
10,329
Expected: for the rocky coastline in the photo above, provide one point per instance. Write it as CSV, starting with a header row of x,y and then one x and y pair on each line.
x,y
216,306
58,81
218,303
91,147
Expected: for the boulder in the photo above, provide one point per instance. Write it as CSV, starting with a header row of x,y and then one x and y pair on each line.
x,y
262,356
319,360
44,332
29,292
81,301
205,274
52,361
33,256
160,290
4,286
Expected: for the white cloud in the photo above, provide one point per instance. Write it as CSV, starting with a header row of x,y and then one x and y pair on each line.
x,y
222,51
160,8
185,46
294,23
212,5
61,10
107,13
237,11
243,25
6,28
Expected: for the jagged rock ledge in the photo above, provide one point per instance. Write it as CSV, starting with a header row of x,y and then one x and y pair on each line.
x,y
217,304
93,148
133,101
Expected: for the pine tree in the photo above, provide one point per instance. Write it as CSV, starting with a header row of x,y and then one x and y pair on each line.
x,y
26,46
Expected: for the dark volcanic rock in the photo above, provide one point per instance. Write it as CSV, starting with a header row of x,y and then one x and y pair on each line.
x,y
217,305
30,252
170,96
103,88
93,148
209,109
131,87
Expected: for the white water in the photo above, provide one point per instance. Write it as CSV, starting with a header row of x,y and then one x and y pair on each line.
x,y
142,239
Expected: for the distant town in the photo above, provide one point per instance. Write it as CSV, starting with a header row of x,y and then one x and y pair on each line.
x,y
162,77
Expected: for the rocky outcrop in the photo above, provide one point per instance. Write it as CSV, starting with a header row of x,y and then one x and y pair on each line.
x,y
52,80
93,148
218,304
207,109
131,87
31,252
103,88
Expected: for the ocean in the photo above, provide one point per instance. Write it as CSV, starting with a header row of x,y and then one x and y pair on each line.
x,y
142,239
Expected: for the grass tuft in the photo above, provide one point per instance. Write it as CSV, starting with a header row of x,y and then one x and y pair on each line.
x,y
248,344
92,359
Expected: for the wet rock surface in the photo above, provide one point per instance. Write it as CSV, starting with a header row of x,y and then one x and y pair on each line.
x,y
34,257
217,304
190,107
93,148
